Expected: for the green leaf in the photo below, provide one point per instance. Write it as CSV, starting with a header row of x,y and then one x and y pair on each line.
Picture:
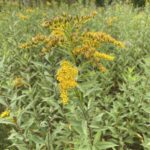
x,y
97,137
84,127
105,145
4,121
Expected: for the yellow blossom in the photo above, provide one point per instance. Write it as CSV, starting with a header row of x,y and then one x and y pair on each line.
x,y
53,41
67,20
29,10
45,24
64,96
58,32
102,37
103,56
44,50
102,68
93,55
22,17
86,51
4,114
18,82
38,38
66,76
111,20
25,45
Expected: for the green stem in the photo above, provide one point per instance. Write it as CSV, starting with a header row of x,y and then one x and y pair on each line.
x,y
86,116
49,139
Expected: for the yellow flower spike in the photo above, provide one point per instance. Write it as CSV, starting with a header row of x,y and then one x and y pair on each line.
x,y
111,20
22,17
38,38
44,50
18,82
94,13
102,68
25,45
103,56
29,10
45,24
66,20
5,114
58,32
119,44
66,76
102,37
64,97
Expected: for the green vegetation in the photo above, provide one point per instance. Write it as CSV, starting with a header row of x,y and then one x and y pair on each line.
x,y
106,110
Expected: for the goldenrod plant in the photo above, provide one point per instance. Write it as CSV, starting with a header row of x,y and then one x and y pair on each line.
x,y
67,32
74,80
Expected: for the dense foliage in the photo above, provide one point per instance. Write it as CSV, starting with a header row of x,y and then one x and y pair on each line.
x,y
75,80
98,3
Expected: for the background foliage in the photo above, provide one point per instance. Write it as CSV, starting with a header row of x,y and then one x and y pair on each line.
x,y
116,103
32,3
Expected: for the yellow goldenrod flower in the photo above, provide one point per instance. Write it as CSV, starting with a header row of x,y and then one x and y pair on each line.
x,y
22,17
25,45
103,56
58,32
66,76
38,38
18,82
29,10
4,114
102,37
45,24
102,68
64,96
44,50
93,55
86,51
119,44
67,20
53,41
111,20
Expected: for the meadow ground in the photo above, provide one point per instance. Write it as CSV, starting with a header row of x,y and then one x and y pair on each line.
x,y
55,91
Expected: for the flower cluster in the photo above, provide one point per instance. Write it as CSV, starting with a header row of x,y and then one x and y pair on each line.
x,y
66,76
34,41
66,32
65,20
5,114
22,17
29,10
111,20
90,42
47,41
59,26
18,82
102,37
93,55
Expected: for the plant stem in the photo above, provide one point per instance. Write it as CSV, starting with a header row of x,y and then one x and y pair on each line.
x,y
49,139
86,117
